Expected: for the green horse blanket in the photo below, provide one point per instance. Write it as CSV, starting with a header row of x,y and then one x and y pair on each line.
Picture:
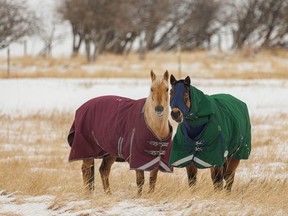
x,y
226,131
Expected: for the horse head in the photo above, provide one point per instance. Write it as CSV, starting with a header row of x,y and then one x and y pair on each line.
x,y
159,93
180,102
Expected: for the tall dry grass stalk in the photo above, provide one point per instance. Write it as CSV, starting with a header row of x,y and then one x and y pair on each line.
x,y
34,154
245,64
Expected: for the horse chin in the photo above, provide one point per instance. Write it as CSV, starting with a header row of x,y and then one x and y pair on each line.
x,y
176,115
179,119
160,114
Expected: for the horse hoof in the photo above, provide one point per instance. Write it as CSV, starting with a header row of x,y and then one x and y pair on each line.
x,y
108,192
151,191
139,195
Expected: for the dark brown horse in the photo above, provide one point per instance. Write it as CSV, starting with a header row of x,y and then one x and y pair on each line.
x,y
115,128
214,132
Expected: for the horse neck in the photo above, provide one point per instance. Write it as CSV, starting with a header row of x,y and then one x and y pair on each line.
x,y
159,126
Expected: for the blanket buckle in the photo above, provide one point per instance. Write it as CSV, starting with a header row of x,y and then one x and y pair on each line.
x,y
158,144
155,153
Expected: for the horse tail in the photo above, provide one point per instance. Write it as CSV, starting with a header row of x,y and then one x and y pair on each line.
x,y
71,134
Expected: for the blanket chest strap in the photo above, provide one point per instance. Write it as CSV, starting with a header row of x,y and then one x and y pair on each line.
x,y
156,144
155,153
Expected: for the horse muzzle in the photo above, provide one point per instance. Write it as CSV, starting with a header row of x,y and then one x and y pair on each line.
x,y
159,109
176,115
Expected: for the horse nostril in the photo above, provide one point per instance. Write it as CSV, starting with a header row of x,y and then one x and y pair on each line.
x,y
159,108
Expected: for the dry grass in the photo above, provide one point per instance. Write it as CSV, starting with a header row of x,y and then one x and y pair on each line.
x,y
34,154
247,64
34,151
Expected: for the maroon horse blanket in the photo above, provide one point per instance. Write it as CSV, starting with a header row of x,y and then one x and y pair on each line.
x,y
113,125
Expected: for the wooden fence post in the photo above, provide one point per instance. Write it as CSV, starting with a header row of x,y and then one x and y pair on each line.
x,y
25,47
179,60
8,62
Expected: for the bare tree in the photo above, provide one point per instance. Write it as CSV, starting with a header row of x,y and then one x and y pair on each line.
x,y
258,23
152,15
98,23
16,21
124,31
74,12
274,23
246,21
201,20
50,31
109,27
284,32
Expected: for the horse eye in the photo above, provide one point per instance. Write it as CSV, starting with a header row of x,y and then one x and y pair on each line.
x,y
186,96
151,89
167,89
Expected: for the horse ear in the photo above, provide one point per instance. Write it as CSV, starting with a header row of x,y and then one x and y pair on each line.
x,y
187,81
172,80
166,75
153,76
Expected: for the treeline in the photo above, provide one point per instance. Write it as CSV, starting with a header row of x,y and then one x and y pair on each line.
x,y
116,25
119,26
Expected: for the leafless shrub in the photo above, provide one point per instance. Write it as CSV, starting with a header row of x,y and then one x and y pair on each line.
x,y
16,21
259,23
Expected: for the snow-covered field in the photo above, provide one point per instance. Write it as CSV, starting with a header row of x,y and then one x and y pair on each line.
x,y
265,99
23,96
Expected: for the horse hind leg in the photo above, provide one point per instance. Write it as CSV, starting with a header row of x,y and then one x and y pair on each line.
x,y
152,180
104,170
140,179
88,174
217,177
191,174
229,173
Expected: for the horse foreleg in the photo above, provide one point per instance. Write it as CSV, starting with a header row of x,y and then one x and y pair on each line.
x,y
88,174
104,170
229,173
217,177
152,180
191,174
140,179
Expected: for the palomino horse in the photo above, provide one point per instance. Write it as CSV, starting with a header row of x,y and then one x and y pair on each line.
x,y
115,128
214,131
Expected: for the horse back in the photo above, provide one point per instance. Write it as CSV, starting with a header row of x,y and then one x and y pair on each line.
x,y
235,115
99,123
